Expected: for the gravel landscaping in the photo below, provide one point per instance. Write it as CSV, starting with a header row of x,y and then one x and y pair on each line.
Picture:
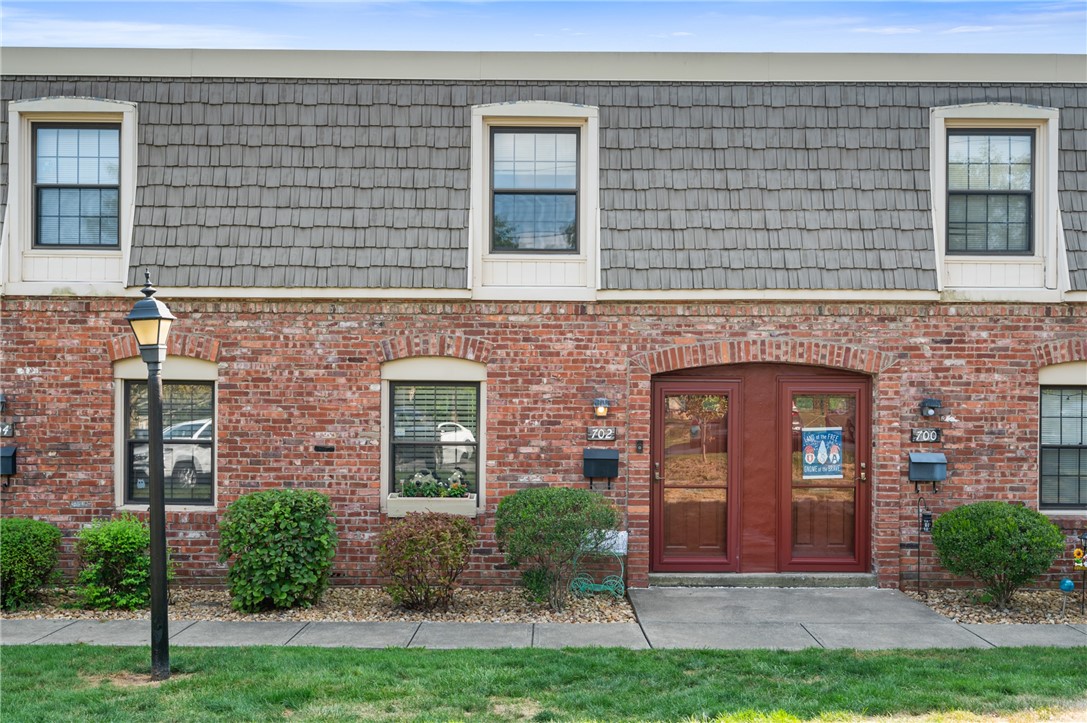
x,y
348,604
510,606
1028,606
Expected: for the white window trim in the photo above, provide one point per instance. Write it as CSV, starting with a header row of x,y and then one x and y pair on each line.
x,y
537,114
79,270
433,369
175,369
1049,249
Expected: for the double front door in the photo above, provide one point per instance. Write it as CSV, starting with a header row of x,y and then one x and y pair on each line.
x,y
760,468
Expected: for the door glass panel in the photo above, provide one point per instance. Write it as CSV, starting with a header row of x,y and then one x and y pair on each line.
x,y
695,474
824,472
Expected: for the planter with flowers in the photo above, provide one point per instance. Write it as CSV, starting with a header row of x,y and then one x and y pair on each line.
x,y
424,492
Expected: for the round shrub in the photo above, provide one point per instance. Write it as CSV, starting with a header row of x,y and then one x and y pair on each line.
x,y
545,529
1002,545
28,556
115,556
280,544
424,554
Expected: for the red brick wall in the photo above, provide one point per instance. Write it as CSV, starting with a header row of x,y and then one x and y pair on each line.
x,y
296,374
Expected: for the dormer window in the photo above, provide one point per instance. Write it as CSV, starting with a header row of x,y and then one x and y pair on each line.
x,y
990,192
534,190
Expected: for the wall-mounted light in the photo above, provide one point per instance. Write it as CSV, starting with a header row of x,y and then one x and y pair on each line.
x,y
3,403
929,407
601,406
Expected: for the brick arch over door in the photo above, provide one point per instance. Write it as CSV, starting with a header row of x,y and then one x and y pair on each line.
x,y
194,346
782,351
452,345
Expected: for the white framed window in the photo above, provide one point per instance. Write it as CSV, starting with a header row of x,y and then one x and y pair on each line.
x,y
1062,426
189,421
71,195
433,424
535,221
996,220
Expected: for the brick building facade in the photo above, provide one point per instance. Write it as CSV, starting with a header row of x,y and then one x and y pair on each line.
x,y
749,252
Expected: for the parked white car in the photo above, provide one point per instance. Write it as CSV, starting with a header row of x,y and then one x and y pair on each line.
x,y
454,432
183,463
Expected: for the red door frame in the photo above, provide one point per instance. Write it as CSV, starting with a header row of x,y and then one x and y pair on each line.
x,y
729,563
862,388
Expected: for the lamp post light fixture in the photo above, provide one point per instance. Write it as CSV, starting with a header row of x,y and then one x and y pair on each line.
x,y
150,320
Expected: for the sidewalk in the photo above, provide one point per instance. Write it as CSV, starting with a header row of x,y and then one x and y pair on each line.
x,y
720,618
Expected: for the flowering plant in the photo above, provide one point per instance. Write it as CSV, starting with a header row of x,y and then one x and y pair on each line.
x,y
425,484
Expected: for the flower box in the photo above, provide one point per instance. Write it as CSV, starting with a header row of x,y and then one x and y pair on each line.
x,y
398,506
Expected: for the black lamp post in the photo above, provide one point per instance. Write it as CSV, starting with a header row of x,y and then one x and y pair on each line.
x,y
150,321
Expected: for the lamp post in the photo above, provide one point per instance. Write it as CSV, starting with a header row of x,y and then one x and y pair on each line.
x,y
150,321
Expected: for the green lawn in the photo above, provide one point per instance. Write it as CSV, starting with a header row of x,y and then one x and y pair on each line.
x,y
61,683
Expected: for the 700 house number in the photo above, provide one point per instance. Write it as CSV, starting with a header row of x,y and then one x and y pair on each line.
x,y
925,435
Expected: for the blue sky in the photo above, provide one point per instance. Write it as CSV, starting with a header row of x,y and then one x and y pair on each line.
x,y
1008,26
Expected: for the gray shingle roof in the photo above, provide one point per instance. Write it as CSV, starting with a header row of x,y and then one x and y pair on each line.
x,y
703,185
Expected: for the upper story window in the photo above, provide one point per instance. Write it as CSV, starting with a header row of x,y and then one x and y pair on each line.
x,y
77,185
1064,447
989,192
996,219
534,224
534,190
71,196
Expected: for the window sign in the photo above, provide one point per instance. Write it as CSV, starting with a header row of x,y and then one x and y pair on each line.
x,y
822,448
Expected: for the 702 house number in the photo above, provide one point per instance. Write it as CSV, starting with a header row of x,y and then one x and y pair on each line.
x,y
600,434
925,435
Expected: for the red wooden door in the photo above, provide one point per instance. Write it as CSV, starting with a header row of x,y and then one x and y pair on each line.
x,y
824,468
693,468
734,485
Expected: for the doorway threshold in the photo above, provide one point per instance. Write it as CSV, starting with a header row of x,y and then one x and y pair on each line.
x,y
762,579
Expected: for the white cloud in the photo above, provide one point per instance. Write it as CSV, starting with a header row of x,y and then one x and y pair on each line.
x,y
969,29
888,30
33,30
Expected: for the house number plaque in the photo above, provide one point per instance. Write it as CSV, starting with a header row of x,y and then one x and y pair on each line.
x,y
926,435
600,434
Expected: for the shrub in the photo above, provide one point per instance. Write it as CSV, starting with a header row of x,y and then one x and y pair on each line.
x,y
28,556
546,528
424,554
116,564
1002,545
282,543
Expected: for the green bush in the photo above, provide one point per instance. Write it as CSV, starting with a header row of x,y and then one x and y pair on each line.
x,y
28,556
282,543
424,554
1002,545
115,556
545,529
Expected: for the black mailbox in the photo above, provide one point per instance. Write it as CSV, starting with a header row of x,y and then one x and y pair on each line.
x,y
601,463
928,467
7,461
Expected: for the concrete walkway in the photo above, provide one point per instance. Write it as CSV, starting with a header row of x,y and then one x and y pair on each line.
x,y
720,618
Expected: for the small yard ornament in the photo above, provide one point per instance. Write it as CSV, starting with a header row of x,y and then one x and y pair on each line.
x,y
1067,586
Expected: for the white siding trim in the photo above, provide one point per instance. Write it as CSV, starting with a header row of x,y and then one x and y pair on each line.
x,y
440,65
